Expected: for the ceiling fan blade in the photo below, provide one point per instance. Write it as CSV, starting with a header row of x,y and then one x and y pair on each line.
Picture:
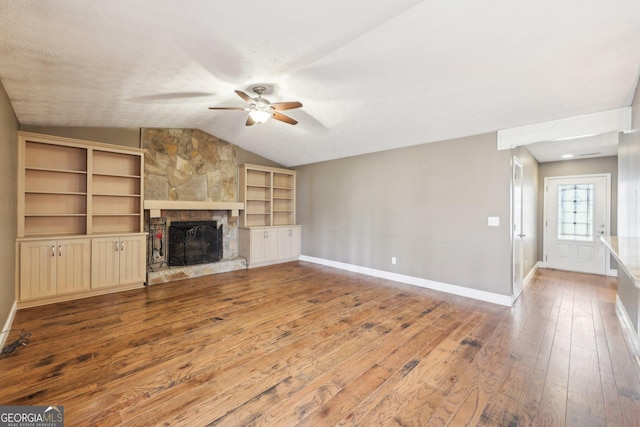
x,y
250,121
246,98
226,108
286,105
283,118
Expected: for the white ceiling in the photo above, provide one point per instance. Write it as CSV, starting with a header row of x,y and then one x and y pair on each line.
x,y
602,145
372,74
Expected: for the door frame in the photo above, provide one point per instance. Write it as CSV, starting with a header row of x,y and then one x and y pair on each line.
x,y
545,212
517,235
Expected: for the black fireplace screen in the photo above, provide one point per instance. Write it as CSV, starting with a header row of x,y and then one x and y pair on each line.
x,y
194,242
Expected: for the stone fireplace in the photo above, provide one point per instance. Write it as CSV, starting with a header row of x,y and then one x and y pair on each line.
x,y
192,176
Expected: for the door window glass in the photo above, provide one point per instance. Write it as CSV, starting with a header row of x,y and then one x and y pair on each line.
x,y
575,212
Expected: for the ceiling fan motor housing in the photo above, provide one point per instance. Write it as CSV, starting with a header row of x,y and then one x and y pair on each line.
x,y
260,109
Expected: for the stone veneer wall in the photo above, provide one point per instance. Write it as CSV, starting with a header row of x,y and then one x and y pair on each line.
x,y
191,165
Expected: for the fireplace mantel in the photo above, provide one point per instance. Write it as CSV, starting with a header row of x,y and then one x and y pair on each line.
x,y
155,206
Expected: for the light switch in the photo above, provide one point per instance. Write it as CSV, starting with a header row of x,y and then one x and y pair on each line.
x,y
494,221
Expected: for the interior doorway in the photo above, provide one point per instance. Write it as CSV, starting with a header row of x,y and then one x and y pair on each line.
x,y
577,211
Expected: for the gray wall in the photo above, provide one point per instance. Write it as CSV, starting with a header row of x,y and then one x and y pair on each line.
x,y
629,183
245,156
578,167
129,137
426,205
629,207
629,177
8,198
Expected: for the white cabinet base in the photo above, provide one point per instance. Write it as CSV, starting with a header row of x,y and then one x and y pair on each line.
x,y
63,269
270,245
118,260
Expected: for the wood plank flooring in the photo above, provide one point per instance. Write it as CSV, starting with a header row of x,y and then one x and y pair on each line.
x,y
302,344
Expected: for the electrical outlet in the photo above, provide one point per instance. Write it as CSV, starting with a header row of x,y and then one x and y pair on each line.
x,y
393,260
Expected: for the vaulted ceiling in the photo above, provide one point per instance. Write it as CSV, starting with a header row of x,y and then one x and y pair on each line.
x,y
372,74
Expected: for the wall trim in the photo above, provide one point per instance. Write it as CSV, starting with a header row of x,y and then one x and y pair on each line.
x,y
4,332
525,282
529,276
573,127
627,329
476,294
612,272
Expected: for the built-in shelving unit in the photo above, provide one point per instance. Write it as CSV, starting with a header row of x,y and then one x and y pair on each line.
x,y
116,193
70,191
283,198
268,194
268,233
255,191
54,189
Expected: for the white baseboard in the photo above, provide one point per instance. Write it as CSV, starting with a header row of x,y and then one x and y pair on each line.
x,y
608,272
416,281
628,329
4,332
525,282
529,276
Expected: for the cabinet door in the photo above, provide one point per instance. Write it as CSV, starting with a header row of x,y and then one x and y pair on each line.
x,y
271,244
73,265
289,243
264,245
105,262
132,259
37,269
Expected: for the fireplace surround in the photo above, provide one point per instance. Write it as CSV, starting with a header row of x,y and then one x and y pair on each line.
x,y
173,212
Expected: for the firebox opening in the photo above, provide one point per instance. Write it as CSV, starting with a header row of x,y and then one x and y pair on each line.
x,y
194,242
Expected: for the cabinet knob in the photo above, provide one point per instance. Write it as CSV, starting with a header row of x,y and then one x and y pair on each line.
x,y
122,246
60,250
117,247
53,250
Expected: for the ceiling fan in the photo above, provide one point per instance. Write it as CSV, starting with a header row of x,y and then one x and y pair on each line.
x,y
260,109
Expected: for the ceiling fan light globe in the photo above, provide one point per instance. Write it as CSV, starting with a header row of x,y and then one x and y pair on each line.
x,y
260,116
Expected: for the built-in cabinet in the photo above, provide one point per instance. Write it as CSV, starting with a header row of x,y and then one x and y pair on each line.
x,y
72,194
53,267
259,245
289,243
117,260
268,230
270,245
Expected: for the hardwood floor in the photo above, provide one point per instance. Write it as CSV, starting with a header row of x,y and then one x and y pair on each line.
x,y
302,344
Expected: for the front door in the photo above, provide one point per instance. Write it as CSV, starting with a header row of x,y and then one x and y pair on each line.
x,y
576,213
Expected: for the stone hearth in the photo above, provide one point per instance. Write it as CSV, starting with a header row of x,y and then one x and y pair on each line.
x,y
165,275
